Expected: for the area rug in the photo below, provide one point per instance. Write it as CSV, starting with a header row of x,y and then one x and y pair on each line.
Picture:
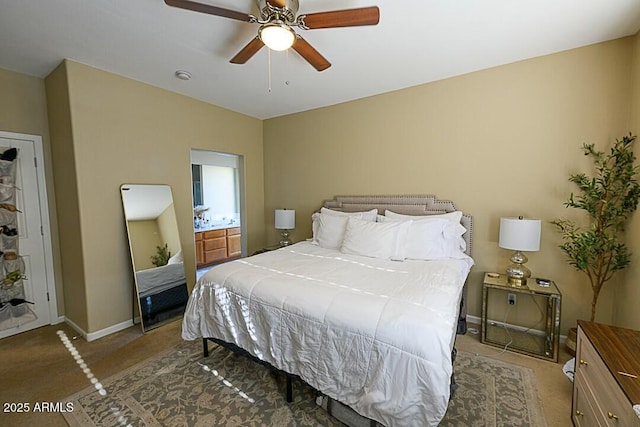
x,y
182,388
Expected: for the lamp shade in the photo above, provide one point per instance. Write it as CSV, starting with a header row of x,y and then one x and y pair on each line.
x,y
520,234
277,36
285,219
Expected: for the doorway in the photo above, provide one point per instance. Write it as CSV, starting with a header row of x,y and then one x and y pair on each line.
x,y
218,208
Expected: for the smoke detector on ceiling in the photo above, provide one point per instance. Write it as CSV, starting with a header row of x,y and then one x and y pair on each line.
x,y
183,75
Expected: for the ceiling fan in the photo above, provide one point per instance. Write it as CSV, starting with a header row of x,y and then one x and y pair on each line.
x,y
277,19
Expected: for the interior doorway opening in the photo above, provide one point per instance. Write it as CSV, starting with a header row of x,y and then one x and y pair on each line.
x,y
218,208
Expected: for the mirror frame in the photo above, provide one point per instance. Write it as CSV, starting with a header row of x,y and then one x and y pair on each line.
x,y
164,288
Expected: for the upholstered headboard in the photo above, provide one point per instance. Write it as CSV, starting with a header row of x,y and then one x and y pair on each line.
x,y
408,205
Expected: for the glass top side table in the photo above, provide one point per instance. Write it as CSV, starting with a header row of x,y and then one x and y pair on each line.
x,y
499,331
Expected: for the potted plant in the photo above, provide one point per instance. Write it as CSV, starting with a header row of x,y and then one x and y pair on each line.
x,y
608,197
162,256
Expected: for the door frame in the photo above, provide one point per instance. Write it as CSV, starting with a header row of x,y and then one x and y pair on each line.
x,y
240,191
50,284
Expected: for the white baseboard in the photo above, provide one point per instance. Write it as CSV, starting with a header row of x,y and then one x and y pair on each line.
x,y
478,321
76,328
92,336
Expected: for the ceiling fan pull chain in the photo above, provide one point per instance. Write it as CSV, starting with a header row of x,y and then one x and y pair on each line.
x,y
269,67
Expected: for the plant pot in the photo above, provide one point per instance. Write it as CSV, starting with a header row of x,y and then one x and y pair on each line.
x,y
572,335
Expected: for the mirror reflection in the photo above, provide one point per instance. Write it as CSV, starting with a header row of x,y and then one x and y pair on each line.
x,y
156,253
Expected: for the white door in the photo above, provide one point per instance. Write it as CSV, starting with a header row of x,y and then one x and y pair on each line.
x,y
32,224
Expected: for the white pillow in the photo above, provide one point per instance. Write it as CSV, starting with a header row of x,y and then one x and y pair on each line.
x,y
367,215
329,230
455,216
456,243
384,240
433,236
176,259
426,239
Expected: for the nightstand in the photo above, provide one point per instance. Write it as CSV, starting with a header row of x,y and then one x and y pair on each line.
x,y
267,249
503,322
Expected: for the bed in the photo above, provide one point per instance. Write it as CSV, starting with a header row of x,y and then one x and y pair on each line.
x,y
162,292
155,280
361,322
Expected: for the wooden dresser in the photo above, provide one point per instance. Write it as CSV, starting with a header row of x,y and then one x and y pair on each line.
x,y
607,376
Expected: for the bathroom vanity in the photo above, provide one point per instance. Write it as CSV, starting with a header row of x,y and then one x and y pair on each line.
x,y
217,244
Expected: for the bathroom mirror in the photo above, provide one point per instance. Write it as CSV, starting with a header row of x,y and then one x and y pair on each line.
x,y
156,254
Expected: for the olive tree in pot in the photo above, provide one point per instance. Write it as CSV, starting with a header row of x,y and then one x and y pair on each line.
x,y
608,197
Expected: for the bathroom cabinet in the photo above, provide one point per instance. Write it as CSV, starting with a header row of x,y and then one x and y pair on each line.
x,y
217,245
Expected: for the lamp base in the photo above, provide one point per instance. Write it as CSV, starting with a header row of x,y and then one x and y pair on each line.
x,y
517,273
284,238
516,282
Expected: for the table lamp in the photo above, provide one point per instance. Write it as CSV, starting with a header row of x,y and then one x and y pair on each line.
x,y
519,234
285,221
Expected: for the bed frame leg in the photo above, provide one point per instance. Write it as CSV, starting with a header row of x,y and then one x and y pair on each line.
x,y
289,389
205,347
453,386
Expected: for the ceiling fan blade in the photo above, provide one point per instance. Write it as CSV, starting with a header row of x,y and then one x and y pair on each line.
x,y
211,10
311,55
248,51
342,18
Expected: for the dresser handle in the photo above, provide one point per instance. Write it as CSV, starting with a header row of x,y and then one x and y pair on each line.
x,y
583,362
578,412
612,416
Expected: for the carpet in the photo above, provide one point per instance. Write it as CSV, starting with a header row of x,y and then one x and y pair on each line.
x,y
180,387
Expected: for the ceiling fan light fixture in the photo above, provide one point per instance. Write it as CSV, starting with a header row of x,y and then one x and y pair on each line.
x,y
277,36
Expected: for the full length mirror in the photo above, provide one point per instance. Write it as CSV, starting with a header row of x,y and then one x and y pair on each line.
x,y
156,254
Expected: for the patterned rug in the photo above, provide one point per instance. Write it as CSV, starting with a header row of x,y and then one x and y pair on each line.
x,y
182,388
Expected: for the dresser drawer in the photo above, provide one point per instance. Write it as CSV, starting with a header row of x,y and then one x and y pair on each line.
x,y
617,409
233,231
217,243
215,255
585,413
211,234
590,366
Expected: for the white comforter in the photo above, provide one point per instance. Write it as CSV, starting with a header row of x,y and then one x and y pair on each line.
x,y
374,334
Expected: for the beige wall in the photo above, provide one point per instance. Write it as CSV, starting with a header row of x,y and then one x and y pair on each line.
x,y
499,142
125,131
168,227
627,313
23,106
65,178
144,237
24,110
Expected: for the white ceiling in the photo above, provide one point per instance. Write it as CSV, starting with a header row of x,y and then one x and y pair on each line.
x,y
416,41
145,202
